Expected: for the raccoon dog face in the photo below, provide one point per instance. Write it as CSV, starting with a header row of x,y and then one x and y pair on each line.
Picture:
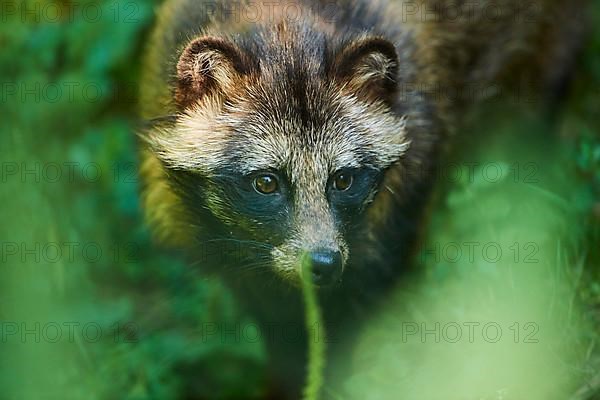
x,y
283,140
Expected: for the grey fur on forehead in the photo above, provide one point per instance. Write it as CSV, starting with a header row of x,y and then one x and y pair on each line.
x,y
207,138
348,135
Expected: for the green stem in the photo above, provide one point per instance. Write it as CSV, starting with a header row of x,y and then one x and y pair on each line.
x,y
316,343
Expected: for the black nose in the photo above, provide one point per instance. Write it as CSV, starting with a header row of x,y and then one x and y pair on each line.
x,y
325,267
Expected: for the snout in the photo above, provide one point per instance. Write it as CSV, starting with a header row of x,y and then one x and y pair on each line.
x,y
323,267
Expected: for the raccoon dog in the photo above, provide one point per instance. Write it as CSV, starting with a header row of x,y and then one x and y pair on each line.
x,y
291,134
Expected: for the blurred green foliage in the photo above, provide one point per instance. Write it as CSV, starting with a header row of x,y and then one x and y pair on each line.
x,y
70,81
69,73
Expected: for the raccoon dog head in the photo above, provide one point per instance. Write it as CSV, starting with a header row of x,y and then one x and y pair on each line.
x,y
282,140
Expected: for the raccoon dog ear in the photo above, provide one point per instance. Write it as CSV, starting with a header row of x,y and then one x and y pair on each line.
x,y
208,65
368,67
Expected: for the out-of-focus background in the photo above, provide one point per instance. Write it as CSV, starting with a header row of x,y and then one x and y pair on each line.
x,y
504,302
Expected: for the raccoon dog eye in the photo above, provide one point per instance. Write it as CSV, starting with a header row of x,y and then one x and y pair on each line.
x,y
343,180
266,184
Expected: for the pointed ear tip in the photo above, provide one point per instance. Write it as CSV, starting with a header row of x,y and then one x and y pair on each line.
x,y
368,67
377,44
208,64
220,47
205,41
357,51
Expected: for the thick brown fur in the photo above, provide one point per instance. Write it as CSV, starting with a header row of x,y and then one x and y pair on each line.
x,y
360,85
